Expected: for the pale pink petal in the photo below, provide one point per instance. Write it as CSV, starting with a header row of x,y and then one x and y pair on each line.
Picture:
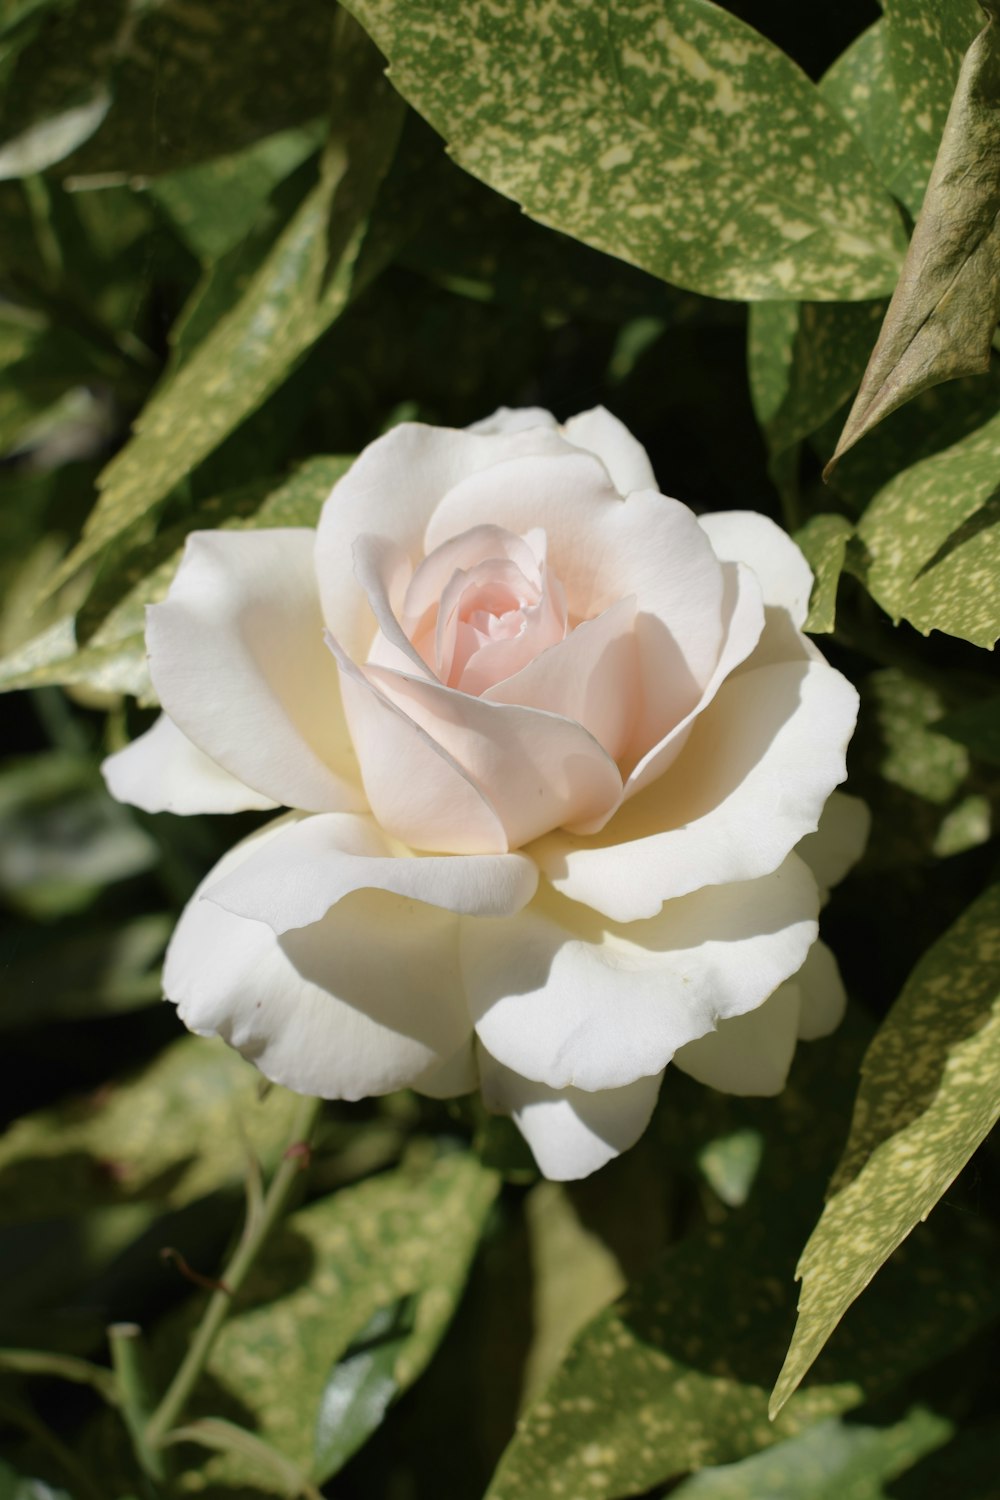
x,y
744,536
750,1054
824,999
237,657
538,770
363,1002
571,1133
604,549
571,1000
310,866
590,677
162,771
391,490
751,781
417,791
743,616
383,570
458,1074
622,455
838,842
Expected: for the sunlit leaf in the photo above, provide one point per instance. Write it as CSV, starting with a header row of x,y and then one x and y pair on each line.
x,y
944,311
301,288
932,542
834,1460
683,94
824,542
862,87
928,1096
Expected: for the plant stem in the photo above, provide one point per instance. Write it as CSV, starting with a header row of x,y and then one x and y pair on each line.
x,y
256,1231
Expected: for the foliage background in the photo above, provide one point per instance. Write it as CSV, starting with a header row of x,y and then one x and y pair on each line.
x,y
232,255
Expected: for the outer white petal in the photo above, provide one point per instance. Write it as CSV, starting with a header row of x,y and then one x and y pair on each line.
x,y
308,867
365,1001
624,457
571,1133
838,842
569,1000
514,419
391,491
237,657
751,781
162,771
744,536
823,996
750,1054
538,770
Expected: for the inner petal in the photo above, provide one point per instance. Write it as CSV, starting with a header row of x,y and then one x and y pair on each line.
x,y
482,606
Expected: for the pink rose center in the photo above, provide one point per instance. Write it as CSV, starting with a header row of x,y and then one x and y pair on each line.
x,y
483,605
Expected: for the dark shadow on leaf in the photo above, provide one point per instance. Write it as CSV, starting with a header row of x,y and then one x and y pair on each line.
x,y
983,519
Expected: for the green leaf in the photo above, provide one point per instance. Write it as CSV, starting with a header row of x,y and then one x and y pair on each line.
x,y
173,1132
977,726
861,87
49,141
932,544
303,285
269,1466
407,1233
675,1376
916,756
685,97
927,1099
834,1460
925,41
95,969
944,311
824,542
215,204
192,84
114,657
361,1388
805,359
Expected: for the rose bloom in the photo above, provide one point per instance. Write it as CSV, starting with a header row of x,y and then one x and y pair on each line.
x,y
556,752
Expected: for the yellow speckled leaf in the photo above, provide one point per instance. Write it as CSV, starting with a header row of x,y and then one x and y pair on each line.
x,y
305,282
929,1094
172,1133
933,542
675,137
824,542
925,41
408,1232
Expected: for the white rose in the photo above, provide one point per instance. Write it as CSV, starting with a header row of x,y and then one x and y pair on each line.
x,y
551,742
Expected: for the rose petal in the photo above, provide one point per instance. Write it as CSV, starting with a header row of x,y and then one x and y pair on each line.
x,y
459,1074
743,613
334,1009
162,771
571,1133
751,781
383,570
824,999
604,549
590,677
749,1055
624,457
417,791
514,419
307,868
391,490
744,536
538,770
838,842
237,658
570,1000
